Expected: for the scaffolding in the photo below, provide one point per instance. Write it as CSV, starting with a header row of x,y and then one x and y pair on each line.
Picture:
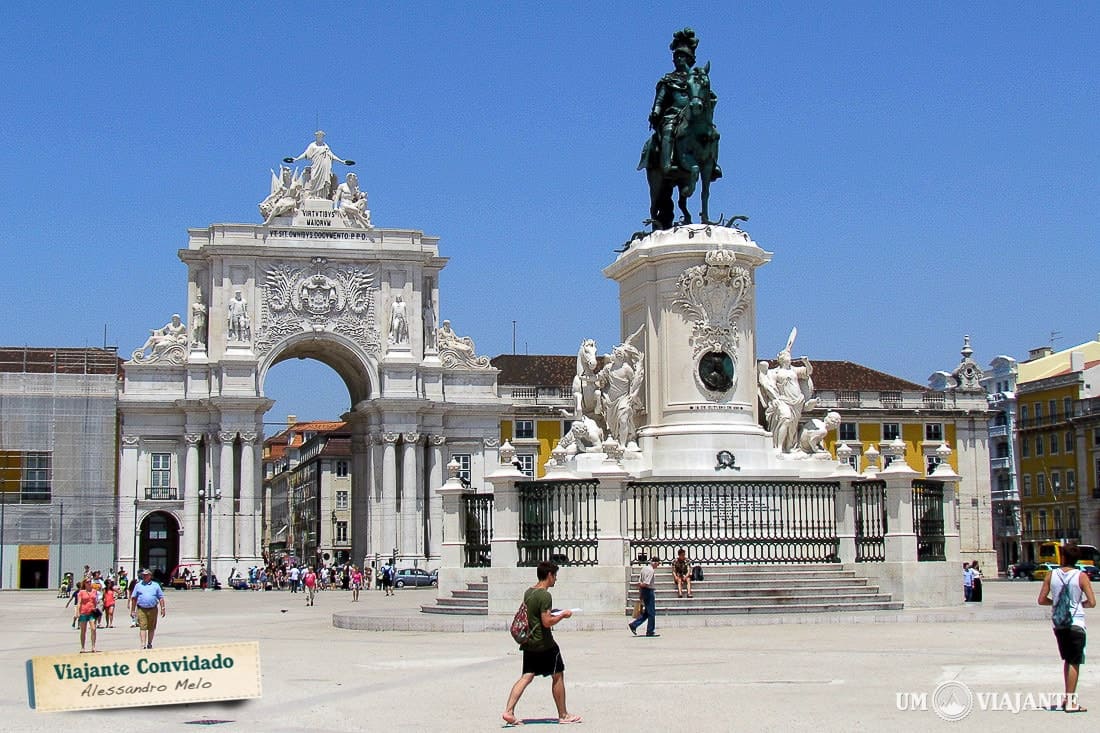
x,y
58,462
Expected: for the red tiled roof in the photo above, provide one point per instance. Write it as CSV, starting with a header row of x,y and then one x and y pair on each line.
x,y
555,370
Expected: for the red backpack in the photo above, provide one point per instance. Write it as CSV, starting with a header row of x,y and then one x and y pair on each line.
x,y
521,625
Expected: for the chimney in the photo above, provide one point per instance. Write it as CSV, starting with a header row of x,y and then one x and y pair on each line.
x,y
290,420
1039,353
1076,361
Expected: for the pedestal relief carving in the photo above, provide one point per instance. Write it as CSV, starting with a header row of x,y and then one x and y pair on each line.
x,y
226,436
248,438
192,439
390,438
411,438
713,297
318,297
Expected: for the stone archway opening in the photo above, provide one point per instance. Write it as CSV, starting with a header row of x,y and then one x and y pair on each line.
x,y
159,548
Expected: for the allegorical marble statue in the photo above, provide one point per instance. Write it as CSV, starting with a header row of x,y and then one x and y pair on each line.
x,y
352,203
682,152
322,182
587,397
785,392
285,198
584,436
166,343
237,319
399,322
455,350
198,323
620,382
815,430
428,317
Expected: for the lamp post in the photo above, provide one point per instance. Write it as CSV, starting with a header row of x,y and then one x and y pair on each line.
x,y
61,544
209,500
333,535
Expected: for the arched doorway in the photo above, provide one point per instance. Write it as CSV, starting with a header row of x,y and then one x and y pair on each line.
x,y
159,548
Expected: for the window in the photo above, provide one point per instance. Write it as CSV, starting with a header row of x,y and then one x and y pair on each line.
x,y
1055,444
848,432
1058,519
1042,519
1023,415
1096,437
160,470
341,532
341,468
1038,412
932,460
1027,485
1053,407
526,463
1025,447
1055,482
36,477
891,431
1071,481
1039,446
1067,407
933,431
158,527
1069,441
341,500
1072,518
1041,484
1027,522
525,429
463,461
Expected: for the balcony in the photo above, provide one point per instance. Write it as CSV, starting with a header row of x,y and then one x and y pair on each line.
x,y
1000,464
1056,534
998,431
161,493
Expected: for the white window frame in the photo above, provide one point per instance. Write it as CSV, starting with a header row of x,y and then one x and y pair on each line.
x,y
342,468
160,470
1027,484
341,532
1040,484
1055,444
842,438
1071,481
526,463
464,461
341,499
933,427
895,424
516,430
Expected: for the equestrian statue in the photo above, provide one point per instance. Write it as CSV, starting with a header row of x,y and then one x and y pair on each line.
x,y
682,152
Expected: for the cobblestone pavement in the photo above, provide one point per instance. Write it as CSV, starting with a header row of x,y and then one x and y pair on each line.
x,y
826,675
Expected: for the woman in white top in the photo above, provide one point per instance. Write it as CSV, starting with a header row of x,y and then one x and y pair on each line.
x,y
1071,640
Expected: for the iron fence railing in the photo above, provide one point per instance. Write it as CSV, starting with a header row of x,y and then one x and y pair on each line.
x,y
477,512
870,520
557,522
928,519
734,521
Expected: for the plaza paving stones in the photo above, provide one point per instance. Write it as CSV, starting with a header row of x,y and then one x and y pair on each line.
x,y
825,673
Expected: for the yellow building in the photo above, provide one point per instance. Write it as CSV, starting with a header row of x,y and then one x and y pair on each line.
x,y
1052,432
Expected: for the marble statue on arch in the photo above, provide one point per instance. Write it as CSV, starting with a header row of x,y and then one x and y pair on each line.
x,y
322,181
166,343
458,351
352,202
399,322
237,319
814,432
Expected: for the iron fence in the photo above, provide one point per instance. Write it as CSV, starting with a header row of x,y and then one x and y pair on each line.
x,y
477,512
928,519
870,519
734,521
557,522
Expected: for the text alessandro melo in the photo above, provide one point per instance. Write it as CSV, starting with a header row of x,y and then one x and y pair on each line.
x,y
93,674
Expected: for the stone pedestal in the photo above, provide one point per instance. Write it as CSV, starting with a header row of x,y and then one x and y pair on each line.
x,y
692,289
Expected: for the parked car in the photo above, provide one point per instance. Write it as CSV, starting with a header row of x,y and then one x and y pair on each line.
x,y
1090,570
1022,570
414,577
1041,572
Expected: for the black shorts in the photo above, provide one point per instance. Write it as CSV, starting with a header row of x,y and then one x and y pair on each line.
x,y
1071,644
544,662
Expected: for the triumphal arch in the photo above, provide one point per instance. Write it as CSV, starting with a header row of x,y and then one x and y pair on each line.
x,y
314,278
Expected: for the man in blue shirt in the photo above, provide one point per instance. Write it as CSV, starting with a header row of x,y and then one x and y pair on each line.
x,y
144,599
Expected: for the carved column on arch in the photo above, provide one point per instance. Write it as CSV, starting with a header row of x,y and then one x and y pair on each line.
x,y
190,550
359,527
389,492
128,492
411,496
248,518
223,508
434,503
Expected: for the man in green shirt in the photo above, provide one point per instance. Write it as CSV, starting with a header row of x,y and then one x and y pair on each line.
x,y
541,655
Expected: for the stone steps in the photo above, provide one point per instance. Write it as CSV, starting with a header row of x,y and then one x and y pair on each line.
x,y
473,601
762,589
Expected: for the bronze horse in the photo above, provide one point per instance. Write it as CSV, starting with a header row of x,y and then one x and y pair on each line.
x,y
695,156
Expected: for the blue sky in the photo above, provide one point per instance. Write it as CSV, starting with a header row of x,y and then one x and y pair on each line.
x,y
920,172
